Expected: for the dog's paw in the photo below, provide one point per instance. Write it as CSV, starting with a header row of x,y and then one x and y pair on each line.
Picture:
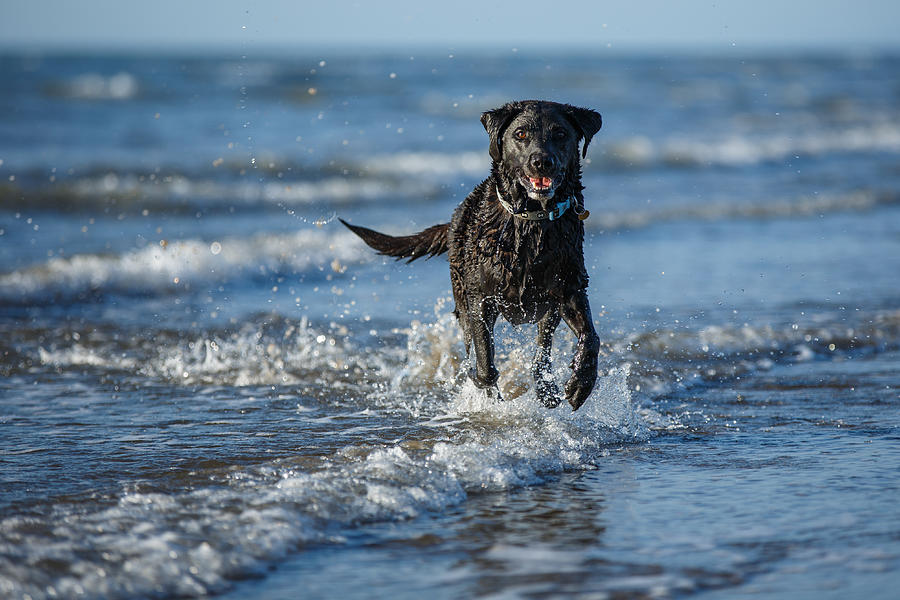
x,y
493,394
489,387
548,393
578,389
490,381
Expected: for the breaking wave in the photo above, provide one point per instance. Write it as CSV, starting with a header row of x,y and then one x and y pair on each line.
x,y
412,176
825,203
93,86
429,357
199,539
181,192
743,150
174,266
431,164
143,543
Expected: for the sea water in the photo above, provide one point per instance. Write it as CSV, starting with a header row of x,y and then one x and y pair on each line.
x,y
210,387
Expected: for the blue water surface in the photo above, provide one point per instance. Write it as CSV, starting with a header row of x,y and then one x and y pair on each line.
x,y
210,387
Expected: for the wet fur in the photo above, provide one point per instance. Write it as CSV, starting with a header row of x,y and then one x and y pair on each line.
x,y
526,271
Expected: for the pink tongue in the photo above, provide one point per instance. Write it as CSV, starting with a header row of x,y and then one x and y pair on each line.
x,y
541,182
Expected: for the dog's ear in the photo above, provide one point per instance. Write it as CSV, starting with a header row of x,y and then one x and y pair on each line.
x,y
586,121
495,123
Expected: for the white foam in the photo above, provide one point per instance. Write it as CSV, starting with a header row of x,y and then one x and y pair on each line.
x,y
290,353
740,150
778,208
171,266
194,542
434,350
178,188
527,441
79,355
678,358
93,86
433,164
273,352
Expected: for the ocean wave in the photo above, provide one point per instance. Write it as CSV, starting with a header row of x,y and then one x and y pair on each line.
x,y
347,179
271,351
179,265
430,164
742,150
666,359
180,192
263,350
429,357
237,522
297,192
659,361
735,150
193,543
801,206
93,86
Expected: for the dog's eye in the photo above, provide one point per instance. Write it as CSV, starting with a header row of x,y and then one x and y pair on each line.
x,y
559,134
521,134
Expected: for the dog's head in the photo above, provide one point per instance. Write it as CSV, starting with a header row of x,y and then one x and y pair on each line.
x,y
534,143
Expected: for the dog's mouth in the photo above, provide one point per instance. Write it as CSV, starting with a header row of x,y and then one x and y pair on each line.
x,y
540,184
540,188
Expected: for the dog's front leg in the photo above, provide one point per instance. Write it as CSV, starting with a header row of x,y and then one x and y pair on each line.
x,y
481,327
577,313
544,386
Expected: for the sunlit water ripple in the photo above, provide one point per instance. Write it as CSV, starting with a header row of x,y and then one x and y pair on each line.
x,y
210,387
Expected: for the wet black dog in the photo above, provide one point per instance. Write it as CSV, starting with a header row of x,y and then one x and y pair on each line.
x,y
515,243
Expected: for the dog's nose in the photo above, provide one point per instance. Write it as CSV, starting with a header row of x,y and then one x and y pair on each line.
x,y
541,162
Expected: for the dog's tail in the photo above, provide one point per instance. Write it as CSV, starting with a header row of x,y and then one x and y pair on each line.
x,y
431,242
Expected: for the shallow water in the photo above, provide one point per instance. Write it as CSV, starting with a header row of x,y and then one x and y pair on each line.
x,y
210,387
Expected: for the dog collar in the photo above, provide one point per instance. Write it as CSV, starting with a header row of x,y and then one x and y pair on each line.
x,y
536,215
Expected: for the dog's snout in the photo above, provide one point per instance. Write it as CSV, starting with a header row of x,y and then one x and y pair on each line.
x,y
542,162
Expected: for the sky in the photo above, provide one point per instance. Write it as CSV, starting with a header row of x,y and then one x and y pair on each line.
x,y
328,24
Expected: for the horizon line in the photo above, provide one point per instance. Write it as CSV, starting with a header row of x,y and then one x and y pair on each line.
x,y
431,48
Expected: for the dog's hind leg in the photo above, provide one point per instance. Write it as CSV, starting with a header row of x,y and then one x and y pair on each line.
x,y
577,313
545,388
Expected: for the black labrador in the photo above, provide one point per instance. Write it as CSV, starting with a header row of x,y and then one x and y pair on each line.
x,y
516,243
